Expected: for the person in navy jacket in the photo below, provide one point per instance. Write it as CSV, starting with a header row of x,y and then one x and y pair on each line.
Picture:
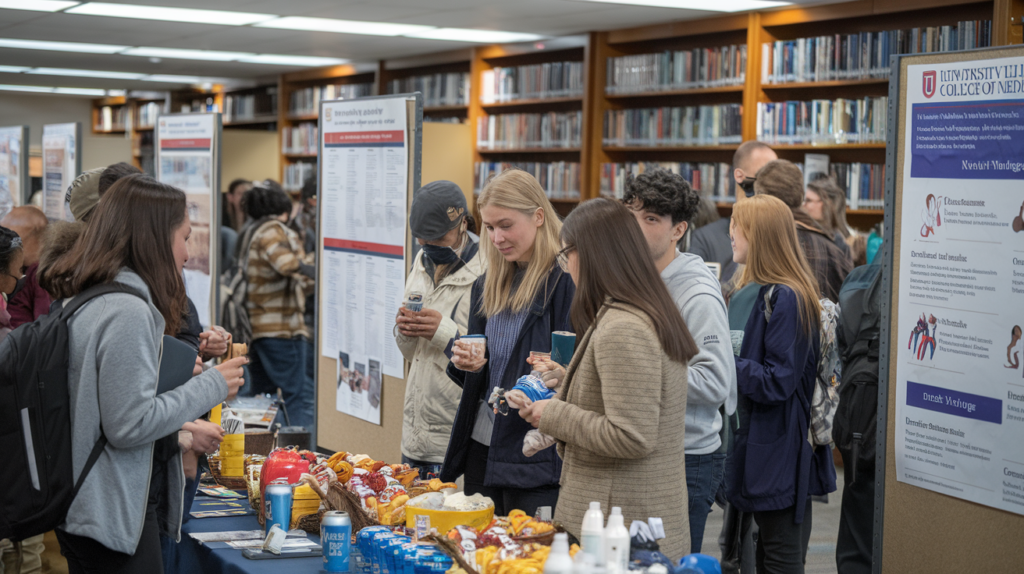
x,y
773,469
522,298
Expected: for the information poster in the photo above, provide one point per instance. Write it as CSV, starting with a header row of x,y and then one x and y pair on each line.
x,y
187,159
363,190
960,382
61,165
13,159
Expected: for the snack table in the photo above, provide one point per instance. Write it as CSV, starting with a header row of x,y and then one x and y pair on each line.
x,y
191,556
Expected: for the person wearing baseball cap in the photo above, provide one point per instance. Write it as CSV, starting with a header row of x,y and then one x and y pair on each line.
x,y
442,277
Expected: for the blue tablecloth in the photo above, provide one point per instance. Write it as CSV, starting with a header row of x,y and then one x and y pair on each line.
x,y
191,556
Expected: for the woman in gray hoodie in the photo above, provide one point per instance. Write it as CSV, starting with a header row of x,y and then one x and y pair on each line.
x,y
138,237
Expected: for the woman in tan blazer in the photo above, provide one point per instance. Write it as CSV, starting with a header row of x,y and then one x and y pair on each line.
x,y
619,416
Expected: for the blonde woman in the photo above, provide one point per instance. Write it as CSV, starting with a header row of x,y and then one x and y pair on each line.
x,y
773,470
522,298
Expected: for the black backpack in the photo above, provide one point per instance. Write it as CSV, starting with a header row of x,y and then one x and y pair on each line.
x,y
35,422
855,424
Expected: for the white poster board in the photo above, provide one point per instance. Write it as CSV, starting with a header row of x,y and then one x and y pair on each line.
x,y
62,162
14,178
364,150
960,383
188,157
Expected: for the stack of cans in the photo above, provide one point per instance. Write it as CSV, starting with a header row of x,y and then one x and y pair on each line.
x,y
385,552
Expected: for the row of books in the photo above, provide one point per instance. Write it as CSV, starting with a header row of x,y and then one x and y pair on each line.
x,y
864,183
864,55
560,179
240,107
300,139
679,126
712,180
550,80
307,100
296,174
112,118
451,89
148,113
518,131
685,69
840,121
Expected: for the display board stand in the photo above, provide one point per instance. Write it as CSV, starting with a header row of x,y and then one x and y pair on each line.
x,y
62,163
950,462
188,157
14,177
363,258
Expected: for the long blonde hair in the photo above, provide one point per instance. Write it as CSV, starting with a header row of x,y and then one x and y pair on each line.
x,y
774,255
515,189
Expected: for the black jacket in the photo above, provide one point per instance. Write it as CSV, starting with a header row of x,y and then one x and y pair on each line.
x,y
507,467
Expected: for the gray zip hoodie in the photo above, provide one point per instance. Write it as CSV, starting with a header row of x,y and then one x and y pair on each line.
x,y
116,343
711,379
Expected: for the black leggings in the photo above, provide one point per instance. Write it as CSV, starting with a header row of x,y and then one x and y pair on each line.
x,y
782,545
87,556
505,499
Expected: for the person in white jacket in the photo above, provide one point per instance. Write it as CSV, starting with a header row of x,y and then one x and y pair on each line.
x,y
663,203
443,274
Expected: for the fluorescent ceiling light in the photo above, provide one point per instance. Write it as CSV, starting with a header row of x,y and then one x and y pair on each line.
x,y
285,60
36,5
176,53
166,14
80,91
51,90
13,69
708,5
342,26
60,46
10,88
181,79
85,73
478,36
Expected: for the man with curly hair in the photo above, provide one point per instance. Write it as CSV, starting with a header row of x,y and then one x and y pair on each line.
x,y
663,204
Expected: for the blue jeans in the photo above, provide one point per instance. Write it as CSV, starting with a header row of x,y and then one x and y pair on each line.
x,y
704,473
281,363
427,469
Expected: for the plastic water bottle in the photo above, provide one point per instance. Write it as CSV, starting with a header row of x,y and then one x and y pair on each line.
x,y
559,561
592,533
616,540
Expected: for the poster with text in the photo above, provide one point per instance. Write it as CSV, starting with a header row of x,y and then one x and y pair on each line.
x,y
187,160
11,176
60,168
363,190
960,383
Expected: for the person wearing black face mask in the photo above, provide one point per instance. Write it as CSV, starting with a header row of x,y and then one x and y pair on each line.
x,y
443,274
12,276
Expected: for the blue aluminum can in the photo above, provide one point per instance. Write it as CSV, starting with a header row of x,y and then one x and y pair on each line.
x,y
336,540
414,302
278,506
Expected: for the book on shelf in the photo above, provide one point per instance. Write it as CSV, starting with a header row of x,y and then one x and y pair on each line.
x,y
300,139
112,118
863,183
442,120
148,113
538,81
306,101
677,126
240,107
864,55
822,122
712,180
296,174
451,89
560,179
679,70
519,131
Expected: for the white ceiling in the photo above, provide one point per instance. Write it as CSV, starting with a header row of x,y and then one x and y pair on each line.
x,y
545,17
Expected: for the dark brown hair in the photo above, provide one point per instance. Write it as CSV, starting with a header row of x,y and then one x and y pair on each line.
x,y
133,226
615,261
781,178
113,173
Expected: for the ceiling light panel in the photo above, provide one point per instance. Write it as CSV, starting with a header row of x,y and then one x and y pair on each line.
x,y
61,46
85,73
80,91
286,60
176,53
343,26
477,36
13,69
707,5
36,5
167,14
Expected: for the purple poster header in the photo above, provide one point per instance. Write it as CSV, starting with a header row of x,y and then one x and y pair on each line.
x,y
968,140
956,403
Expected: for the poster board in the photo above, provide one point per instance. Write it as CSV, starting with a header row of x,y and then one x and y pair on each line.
x,y
950,478
188,157
62,162
362,262
14,177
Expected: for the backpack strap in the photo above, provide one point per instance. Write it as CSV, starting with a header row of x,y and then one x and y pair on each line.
x,y
768,303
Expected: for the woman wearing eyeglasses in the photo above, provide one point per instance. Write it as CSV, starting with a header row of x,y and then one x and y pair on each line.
x,y
521,299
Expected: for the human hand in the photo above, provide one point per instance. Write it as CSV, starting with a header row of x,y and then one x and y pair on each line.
x,y
233,373
418,323
198,368
206,436
531,413
465,360
554,377
214,343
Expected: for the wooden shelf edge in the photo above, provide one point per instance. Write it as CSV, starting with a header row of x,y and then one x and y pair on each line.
x,y
870,212
438,109
483,151
532,102
683,92
269,119
828,84
300,155
109,132
303,118
834,147
621,149
145,128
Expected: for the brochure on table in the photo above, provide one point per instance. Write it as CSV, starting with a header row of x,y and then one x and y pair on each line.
x,y
14,178
188,157
363,195
960,382
62,162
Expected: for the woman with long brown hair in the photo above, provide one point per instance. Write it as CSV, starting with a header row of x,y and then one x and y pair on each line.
x,y
619,416
136,238
773,469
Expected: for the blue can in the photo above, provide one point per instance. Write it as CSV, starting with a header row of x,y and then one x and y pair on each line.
x,y
277,506
364,536
414,302
336,540
433,562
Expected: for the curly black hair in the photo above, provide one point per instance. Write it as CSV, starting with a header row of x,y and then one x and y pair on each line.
x,y
662,192
10,244
266,198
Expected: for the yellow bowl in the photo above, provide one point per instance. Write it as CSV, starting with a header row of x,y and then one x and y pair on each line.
x,y
445,520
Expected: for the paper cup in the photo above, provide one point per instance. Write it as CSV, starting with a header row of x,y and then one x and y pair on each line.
x,y
477,345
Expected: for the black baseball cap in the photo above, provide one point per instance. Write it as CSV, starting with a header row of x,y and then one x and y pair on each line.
x,y
437,208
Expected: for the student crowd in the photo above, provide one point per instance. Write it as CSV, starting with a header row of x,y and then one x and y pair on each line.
x,y
690,384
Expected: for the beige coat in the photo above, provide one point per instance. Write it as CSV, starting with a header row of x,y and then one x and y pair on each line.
x,y
431,398
620,420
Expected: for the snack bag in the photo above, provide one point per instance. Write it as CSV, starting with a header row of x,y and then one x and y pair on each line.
x,y
530,388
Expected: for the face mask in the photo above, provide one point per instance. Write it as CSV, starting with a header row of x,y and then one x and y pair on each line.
x,y
748,186
441,255
17,287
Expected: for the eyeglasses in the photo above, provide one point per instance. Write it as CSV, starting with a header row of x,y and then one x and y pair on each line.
x,y
563,258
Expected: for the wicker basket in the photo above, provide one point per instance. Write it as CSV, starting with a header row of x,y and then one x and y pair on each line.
x,y
232,482
259,442
339,498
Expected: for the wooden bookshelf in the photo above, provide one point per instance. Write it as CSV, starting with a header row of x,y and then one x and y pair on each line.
x,y
260,114
119,106
451,62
